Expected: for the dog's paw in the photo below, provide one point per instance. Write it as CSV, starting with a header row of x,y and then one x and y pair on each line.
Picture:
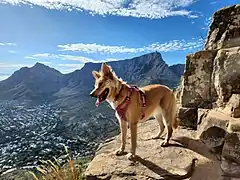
x,y
164,143
130,156
119,152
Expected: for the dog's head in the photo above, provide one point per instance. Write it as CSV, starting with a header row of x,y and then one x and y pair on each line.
x,y
105,82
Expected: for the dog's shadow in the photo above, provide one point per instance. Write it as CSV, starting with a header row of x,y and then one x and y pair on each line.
x,y
170,144
192,144
164,174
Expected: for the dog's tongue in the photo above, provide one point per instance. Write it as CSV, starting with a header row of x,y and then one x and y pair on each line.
x,y
97,102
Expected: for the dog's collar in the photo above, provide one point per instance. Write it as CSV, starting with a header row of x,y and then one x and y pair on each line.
x,y
117,96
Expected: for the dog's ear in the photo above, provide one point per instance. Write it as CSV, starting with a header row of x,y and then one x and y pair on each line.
x,y
106,70
96,74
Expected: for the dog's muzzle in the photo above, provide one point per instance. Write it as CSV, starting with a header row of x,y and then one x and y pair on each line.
x,y
92,94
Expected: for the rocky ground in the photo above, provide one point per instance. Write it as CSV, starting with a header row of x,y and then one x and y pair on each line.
x,y
154,161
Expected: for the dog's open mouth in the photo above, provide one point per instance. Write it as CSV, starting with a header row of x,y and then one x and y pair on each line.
x,y
102,96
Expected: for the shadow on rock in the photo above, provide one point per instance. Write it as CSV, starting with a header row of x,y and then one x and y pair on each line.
x,y
164,173
196,146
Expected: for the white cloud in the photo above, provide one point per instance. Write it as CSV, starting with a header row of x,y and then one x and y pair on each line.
x,y
8,68
207,23
74,58
12,52
214,2
45,62
154,9
43,55
67,68
173,45
71,65
97,48
3,77
82,60
7,44
12,66
60,56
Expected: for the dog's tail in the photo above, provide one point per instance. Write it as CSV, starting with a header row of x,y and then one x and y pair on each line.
x,y
174,111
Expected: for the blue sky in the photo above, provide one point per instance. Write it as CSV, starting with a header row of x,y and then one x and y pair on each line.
x,y
65,34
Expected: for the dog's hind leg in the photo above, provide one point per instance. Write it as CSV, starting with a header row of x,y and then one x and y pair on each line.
x,y
159,118
168,124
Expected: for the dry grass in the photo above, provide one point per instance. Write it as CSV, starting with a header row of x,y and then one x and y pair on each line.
x,y
50,170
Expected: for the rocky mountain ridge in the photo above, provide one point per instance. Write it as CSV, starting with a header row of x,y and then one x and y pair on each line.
x,y
41,82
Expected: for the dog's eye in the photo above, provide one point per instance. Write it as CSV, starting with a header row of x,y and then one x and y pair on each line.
x,y
100,84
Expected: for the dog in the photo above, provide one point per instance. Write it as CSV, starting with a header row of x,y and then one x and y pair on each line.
x,y
133,105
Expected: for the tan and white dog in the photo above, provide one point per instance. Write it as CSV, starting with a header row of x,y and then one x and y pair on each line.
x,y
160,103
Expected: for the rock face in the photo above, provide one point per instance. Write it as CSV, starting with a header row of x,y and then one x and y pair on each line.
x,y
212,76
225,29
197,84
211,86
226,74
233,106
231,155
231,149
214,138
189,115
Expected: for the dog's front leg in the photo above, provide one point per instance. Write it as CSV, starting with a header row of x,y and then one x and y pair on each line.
x,y
133,129
123,128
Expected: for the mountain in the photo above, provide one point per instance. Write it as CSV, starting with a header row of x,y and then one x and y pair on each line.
x,y
70,92
178,69
142,70
37,83
41,83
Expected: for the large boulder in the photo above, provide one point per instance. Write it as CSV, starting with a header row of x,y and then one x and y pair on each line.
x,y
225,29
233,106
233,126
231,155
197,85
226,74
231,149
188,117
230,169
213,138
214,118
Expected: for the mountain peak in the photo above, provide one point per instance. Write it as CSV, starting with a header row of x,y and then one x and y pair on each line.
x,y
40,65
